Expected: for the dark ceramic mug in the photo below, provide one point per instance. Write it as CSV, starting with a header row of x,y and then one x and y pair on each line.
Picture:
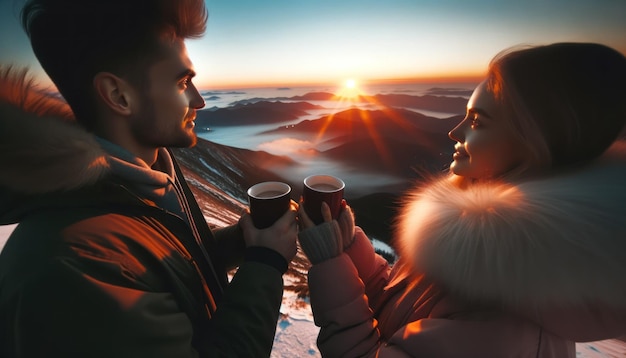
x,y
268,202
322,188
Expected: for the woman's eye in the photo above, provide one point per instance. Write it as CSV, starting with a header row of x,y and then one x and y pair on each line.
x,y
475,122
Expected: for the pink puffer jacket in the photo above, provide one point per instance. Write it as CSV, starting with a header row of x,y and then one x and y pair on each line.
x,y
493,271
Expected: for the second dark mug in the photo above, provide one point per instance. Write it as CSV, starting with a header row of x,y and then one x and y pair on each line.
x,y
322,188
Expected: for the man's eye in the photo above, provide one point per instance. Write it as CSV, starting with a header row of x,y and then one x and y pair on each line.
x,y
184,83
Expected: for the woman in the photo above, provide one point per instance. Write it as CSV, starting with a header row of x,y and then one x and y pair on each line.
x,y
520,250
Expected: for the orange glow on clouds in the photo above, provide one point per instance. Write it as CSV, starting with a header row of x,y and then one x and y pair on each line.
x,y
287,146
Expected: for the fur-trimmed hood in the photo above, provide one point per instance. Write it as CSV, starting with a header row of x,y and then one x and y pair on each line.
x,y
556,240
41,148
43,153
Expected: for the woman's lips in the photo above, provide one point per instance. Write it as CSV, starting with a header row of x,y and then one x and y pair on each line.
x,y
459,154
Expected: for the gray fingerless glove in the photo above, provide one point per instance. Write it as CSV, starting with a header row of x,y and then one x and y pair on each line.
x,y
346,226
321,242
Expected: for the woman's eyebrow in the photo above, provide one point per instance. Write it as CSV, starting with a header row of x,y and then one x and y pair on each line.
x,y
480,111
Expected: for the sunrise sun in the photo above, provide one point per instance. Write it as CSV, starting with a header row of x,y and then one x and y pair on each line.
x,y
349,90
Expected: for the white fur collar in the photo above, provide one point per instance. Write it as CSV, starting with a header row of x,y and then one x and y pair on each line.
x,y
560,239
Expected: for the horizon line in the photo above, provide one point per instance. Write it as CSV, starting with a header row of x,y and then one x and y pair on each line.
x,y
43,80
474,79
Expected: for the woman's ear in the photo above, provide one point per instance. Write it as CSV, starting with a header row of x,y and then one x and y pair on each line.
x,y
114,93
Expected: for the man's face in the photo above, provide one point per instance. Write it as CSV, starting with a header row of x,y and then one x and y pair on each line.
x,y
168,107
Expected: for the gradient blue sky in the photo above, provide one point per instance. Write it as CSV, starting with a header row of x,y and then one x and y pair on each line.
x,y
291,42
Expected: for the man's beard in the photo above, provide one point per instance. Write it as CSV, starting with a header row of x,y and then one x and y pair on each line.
x,y
147,134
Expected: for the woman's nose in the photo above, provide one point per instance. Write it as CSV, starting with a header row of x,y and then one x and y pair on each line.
x,y
456,134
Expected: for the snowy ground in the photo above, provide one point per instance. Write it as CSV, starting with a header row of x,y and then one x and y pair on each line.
x,y
296,332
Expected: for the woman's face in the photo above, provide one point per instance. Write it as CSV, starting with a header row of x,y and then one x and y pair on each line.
x,y
486,147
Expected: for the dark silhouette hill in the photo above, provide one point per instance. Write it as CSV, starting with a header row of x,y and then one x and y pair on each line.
x,y
357,123
431,102
443,91
395,141
262,112
427,102
392,157
311,96
449,102
315,96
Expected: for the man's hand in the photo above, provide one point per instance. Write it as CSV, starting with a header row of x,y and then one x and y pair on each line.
x,y
280,237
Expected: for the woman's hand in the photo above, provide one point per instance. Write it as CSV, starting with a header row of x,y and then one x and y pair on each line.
x,y
304,220
326,240
346,224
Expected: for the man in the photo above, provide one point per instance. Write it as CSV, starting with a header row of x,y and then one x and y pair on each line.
x,y
112,256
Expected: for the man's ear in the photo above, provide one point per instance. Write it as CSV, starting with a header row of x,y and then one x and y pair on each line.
x,y
114,92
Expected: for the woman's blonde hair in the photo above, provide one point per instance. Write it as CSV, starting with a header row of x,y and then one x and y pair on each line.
x,y
566,102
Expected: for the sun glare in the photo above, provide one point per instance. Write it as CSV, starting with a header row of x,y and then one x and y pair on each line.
x,y
349,91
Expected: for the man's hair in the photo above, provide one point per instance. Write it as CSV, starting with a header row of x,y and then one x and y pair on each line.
x,y
75,39
565,101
